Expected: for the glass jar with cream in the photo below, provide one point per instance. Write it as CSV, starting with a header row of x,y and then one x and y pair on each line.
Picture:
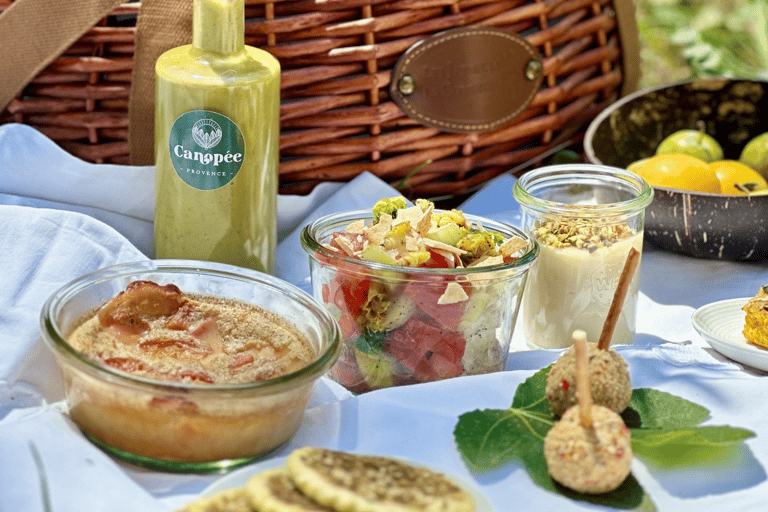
x,y
586,219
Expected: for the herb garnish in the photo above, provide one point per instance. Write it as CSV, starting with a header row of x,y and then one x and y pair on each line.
x,y
665,435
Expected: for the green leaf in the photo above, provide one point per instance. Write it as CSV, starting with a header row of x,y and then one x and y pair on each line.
x,y
531,394
737,32
492,437
686,447
650,408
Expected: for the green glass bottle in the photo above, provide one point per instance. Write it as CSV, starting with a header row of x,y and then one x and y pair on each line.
x,y
217,129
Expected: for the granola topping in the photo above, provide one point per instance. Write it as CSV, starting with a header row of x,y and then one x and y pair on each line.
x,y
588,234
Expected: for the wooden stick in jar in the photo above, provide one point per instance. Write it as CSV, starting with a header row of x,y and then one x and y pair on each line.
x,y
582,378
630,266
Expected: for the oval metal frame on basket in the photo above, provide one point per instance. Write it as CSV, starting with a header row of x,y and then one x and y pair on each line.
x,y
339,116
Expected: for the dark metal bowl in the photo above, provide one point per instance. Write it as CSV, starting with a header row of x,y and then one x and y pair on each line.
x,y
714,226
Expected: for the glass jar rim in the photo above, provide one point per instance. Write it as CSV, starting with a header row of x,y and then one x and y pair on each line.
x,y
56,340
311,244
575,173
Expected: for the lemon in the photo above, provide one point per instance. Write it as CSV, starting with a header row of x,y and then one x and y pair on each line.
x,y
679,171
634,166
691,142
737,177
755,154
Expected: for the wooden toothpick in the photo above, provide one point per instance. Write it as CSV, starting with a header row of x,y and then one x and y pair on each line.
x,y
582,378
630,266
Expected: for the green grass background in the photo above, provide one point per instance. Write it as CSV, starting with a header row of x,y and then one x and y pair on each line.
x,y
684,39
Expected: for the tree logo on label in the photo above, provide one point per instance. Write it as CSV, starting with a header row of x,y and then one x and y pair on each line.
x,y
207,133
206,149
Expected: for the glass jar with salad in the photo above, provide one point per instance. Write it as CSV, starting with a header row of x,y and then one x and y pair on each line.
x,y
420,294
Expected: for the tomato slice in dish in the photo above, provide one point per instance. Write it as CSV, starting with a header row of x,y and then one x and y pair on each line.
x,y
426,293
430,351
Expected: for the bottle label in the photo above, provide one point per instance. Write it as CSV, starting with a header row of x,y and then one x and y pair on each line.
x,y
206,148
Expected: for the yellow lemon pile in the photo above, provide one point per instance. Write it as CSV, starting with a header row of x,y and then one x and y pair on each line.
x,y
690,173
692,160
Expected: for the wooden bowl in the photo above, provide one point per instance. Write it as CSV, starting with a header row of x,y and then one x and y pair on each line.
x,y
714,226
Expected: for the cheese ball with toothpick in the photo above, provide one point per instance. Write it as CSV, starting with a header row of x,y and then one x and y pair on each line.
x,y
609,380
590,460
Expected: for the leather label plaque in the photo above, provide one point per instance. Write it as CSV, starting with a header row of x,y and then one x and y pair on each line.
x,y
469,79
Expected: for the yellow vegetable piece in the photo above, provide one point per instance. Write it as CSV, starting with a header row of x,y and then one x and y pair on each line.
x,y
738,178
450,217
679,171
424,204
396,236
416,258
756,319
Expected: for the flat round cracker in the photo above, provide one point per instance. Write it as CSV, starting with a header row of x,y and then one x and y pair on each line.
x,y
232,500
273,491
350,482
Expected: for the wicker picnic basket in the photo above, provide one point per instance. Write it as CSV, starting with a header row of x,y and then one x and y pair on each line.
x,y
337,116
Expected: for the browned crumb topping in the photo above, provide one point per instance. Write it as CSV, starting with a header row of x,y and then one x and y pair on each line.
x,y
154,332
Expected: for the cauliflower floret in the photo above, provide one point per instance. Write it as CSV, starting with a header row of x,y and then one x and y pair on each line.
x,y
425,204
450,217
480,243
389,206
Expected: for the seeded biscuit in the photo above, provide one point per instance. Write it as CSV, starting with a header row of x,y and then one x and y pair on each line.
x,y
232,500
363,483
273,491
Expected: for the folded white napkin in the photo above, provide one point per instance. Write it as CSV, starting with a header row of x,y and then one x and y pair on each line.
x,y
42,451
34,171
42,250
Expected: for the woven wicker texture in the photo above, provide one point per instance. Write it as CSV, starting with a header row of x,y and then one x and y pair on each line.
x,y
336,117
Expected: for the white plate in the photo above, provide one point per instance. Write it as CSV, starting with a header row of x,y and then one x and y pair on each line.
x,y
241,476
721,325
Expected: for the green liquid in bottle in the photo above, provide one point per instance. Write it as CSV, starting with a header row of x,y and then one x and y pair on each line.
x,y
217,131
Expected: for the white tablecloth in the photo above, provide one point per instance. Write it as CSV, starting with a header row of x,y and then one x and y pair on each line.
x,y
60,217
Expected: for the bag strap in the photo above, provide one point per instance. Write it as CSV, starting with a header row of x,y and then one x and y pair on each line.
x,y
161,25
56,24
630,44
